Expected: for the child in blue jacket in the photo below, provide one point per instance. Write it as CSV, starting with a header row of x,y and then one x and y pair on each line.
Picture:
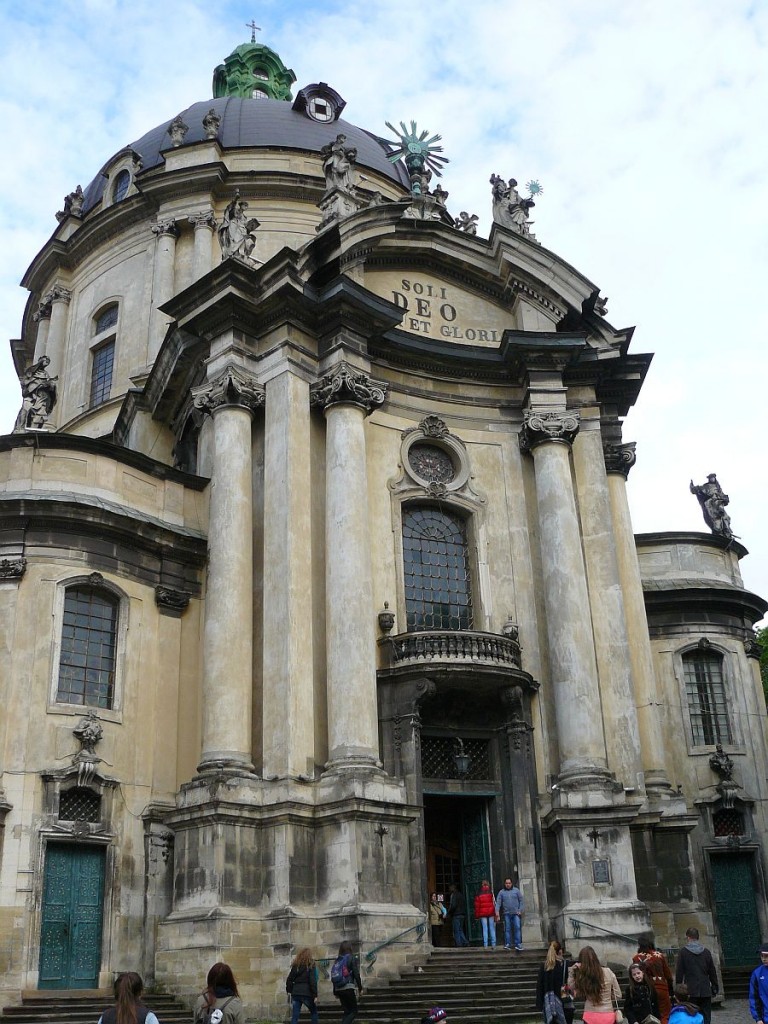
x,y
758,988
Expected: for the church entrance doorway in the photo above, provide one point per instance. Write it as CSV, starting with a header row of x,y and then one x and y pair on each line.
x,y
458,852
72,914
734,886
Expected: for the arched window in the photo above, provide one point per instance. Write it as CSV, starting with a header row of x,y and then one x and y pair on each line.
x,y
438,591
88,657
705,690
120,186
103,355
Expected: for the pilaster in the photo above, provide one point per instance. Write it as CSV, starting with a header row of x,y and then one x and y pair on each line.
x,y
58,298
166,233
204,224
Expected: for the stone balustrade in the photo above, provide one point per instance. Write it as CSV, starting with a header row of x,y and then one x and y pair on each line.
x,y
455,646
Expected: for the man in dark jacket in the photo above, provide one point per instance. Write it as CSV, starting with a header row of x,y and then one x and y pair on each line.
x,y
758,988
696,970
457,912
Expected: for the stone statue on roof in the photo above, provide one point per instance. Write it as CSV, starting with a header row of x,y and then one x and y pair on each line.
x,y
510,209
237,232
338,161
713,500
38,396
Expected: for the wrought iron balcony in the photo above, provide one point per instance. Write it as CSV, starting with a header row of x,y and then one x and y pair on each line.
x,y
453,647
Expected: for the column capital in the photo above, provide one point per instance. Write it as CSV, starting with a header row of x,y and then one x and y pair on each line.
x,y
57,294
346,385
231,387
543,427
43,311
165,227
202,219
619,458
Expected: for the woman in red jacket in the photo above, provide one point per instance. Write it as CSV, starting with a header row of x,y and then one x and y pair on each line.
x,y
485,913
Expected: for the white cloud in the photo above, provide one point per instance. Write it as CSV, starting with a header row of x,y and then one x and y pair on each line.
x,y
643,122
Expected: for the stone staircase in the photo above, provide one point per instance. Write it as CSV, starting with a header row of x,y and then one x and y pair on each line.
x,y
470,984
736,981
83,1007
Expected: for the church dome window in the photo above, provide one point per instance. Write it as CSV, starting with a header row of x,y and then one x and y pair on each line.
x,y
120,186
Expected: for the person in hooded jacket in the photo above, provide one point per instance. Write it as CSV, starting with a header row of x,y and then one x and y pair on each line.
x,y
485,913
696,970
683,1011
220,1003
758,988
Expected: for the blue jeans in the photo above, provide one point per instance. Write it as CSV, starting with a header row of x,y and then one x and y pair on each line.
x,y
459,936
513,922
489,930
297,1002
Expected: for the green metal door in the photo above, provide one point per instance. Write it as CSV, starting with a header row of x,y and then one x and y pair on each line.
x,y
734,885
475,859
70,936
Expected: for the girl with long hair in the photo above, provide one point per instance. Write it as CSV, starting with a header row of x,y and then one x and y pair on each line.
x,y
128,1008
220,997
349,985
640,1000
301,985
659,974
597,986
553,997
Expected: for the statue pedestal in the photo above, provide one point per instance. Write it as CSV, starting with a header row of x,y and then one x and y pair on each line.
x,y
336,205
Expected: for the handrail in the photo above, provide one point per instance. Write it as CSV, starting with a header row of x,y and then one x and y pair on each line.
x,y
371,956
668,951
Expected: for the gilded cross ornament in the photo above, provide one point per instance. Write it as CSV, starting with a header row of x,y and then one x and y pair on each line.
x,y
231,387
347,385
421,155
254,29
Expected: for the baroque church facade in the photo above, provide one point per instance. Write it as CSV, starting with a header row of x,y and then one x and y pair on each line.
x,y
318,585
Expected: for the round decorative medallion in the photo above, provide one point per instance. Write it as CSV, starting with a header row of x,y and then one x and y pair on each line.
x,y
431,463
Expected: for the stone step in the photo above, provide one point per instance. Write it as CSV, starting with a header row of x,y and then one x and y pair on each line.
x,y
83,1007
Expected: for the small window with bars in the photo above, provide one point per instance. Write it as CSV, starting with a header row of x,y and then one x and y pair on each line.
x,y
438,758
79,804
88,656
705,690
436,567
103,359
728,822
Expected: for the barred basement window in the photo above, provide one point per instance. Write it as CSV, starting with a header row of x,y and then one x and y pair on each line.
x,y
437,761
79,804
436,567
728,823
88,648
705,689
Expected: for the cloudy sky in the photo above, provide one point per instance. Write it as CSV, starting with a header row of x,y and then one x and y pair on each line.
x,y
644,121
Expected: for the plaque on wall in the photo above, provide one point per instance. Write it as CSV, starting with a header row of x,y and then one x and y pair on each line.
x,y
601,871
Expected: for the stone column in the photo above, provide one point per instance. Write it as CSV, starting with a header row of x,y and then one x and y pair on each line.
x,y
548,436
619,459
162,282
230,398
202,258
348,396
43,320
289,707
608,618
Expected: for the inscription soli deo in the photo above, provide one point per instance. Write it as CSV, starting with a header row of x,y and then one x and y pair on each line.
x,y
442,312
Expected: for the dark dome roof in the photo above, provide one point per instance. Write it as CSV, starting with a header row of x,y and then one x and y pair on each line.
x,y
249,123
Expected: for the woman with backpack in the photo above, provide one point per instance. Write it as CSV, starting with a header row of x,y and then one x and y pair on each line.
x,y
301,985
128,1008
554,1000
345,977
220,1002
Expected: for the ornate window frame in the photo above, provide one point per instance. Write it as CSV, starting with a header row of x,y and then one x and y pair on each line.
x,y
456,497
129,161
94,579
96,341
736,741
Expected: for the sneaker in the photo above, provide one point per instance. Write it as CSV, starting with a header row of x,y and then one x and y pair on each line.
x,y
519,949
507,947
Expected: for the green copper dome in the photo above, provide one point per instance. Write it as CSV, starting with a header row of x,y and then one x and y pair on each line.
x,y
253,71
